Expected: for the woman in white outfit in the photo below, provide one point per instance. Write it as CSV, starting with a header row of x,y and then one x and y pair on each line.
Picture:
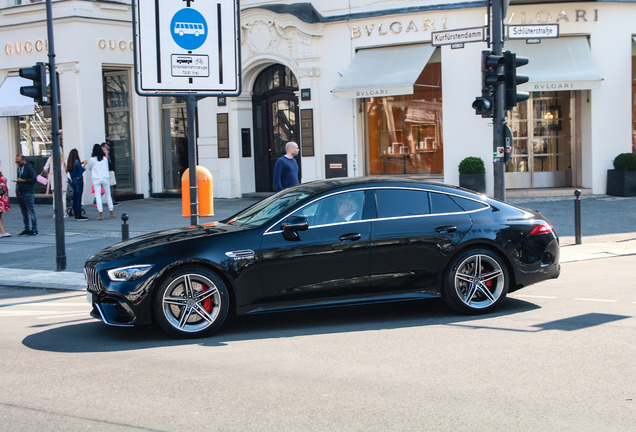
x,y
48,168
98,165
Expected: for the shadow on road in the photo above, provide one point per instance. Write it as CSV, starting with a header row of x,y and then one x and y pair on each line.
x,y
94,336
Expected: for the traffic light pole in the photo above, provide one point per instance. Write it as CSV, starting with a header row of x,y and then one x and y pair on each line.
x,y
57,154
498,109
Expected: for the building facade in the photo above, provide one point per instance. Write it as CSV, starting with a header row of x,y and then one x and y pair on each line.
x,y
357,84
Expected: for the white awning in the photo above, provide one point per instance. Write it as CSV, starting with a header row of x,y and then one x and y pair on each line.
x,y
12,103
557,64
387,71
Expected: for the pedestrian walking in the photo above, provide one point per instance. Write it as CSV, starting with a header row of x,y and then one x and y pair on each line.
x,y
98,165
75,168
49,169
286,168
25,192
4,203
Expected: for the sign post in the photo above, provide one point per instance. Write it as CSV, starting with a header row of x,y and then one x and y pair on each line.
x,y
187,48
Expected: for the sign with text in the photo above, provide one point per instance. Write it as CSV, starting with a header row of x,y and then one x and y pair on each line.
x,y
451,37
533,31
186,47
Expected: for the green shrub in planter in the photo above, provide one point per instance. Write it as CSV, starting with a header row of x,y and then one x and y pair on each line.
x,y
621,181
472,165
472,174
625,162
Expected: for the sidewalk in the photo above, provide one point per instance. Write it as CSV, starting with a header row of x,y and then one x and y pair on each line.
x,y
608,229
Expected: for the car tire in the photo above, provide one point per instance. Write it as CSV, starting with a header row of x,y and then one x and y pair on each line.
x,y
473,292
183,307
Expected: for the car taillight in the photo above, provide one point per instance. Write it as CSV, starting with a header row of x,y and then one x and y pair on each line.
x,y
544,228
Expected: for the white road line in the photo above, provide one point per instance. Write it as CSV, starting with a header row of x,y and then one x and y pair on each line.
x,y
595,300
86,314
534,296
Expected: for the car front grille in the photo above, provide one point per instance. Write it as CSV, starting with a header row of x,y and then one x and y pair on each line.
x,y
93,283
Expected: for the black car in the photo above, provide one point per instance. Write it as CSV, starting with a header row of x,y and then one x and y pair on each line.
x,y
326,243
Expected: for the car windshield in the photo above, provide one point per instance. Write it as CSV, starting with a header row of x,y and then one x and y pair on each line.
x,y
270,207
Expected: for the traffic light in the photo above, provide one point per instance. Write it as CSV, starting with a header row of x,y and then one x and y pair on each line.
x,y
512,80
483,105
490,72
38,90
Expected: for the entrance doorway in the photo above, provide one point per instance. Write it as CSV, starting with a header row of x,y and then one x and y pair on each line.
x,y
275,111
543,141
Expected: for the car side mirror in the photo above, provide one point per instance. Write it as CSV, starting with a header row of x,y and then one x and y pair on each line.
x,y
292,225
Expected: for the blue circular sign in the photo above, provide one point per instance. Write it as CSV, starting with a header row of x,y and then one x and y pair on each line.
x,y
188,29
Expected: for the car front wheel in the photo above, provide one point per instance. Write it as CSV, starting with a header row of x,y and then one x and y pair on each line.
x,y
476,282
191,302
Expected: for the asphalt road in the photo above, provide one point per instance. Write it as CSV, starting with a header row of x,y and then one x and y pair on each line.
x,y
557,356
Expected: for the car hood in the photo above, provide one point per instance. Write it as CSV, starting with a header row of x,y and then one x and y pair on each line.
x,y
159,238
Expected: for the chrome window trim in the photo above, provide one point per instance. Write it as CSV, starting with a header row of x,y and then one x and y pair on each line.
x,y
366,188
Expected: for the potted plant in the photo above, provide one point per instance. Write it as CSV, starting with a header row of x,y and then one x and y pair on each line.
x,y
621,181
472,174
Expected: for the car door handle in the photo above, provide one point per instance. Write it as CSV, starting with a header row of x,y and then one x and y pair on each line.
x,y
350,237
446,228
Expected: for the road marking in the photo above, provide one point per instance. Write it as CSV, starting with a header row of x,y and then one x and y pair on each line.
x,y
596,300
534,296
85,313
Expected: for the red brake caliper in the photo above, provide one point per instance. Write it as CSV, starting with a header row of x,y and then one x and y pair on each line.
x,y
207,303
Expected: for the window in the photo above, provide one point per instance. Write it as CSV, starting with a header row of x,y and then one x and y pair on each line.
x,y
404,132
402,202
442,203
339,208
223,133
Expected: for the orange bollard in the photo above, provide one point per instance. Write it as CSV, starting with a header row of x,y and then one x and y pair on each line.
x,y
205,189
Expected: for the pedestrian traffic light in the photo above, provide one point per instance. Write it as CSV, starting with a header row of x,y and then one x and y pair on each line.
x,y
491,74
483,105
38,90
512,80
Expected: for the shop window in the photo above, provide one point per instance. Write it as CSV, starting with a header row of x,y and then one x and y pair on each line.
x,y
404,132
35,137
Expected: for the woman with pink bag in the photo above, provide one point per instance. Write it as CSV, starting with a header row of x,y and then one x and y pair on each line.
x,y
4,203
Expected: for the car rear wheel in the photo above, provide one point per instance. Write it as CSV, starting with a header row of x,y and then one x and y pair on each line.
x,y
476,282
191,302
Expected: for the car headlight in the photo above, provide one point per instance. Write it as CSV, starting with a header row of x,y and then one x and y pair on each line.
x,y
129,273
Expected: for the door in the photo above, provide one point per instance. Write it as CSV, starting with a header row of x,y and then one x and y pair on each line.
x,y
542,141
413,233
275,117
331,259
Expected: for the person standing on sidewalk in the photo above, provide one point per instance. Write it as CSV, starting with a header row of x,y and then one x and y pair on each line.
x,y
76,169
111,170
286,168
4,203
98,165
25,191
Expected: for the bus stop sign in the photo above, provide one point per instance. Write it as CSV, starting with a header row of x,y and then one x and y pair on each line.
x,y
187,47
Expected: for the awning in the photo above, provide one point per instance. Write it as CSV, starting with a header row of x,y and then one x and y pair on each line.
x,y
557,64
387,71
12,103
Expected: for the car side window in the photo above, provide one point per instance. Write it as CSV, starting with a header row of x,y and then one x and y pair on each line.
x,y
343,207
442,203
401,202
468,204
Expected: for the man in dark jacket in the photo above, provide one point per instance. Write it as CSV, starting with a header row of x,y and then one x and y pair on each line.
x,y
25,191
